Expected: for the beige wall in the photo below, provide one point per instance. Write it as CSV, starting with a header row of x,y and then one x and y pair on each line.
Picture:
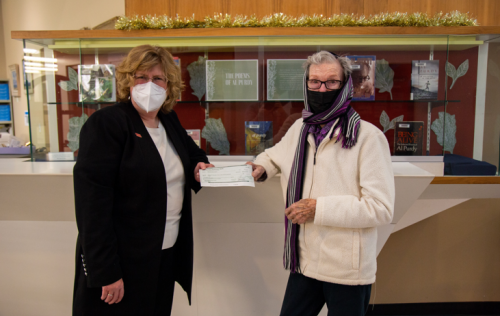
x,y
492,108
453,256
19,15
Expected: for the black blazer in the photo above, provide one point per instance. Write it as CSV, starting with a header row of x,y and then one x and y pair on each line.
x,y
120,202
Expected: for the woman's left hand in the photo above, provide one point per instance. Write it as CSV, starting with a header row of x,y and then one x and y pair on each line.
x,y
202,166
301,211
113,293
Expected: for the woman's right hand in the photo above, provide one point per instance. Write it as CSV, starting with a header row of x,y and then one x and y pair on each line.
x,y
201,166
258,170
113,293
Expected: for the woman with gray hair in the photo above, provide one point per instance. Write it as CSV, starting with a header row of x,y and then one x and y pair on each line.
x,y
338,186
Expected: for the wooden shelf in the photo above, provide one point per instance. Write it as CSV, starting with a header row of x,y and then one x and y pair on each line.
x,y
466,180
274,31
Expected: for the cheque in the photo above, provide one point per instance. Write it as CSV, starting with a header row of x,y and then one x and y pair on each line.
x,y
233,176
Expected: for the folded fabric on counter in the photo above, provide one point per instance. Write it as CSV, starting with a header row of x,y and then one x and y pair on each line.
x,y
455,165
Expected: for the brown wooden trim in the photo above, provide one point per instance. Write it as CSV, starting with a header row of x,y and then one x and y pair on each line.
x,y
298,31
486,12
467,180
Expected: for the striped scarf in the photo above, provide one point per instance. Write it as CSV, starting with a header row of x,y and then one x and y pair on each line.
x,y
348,123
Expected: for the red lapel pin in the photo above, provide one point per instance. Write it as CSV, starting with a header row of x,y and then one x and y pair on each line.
x,y
138,135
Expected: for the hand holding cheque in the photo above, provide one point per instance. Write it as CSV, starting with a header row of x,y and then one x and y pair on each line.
x,y
258,171
201,166
232,176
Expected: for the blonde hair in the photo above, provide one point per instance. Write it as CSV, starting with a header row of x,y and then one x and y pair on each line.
x,y
143,58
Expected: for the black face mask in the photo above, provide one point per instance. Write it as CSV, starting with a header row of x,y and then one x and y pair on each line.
x,y
321,101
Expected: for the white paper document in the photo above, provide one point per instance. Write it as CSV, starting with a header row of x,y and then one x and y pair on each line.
x,y
233,176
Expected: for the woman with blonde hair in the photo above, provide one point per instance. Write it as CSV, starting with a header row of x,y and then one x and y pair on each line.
x,y
133,178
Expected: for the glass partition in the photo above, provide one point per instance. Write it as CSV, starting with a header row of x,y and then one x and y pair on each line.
x,y
415,89
468,131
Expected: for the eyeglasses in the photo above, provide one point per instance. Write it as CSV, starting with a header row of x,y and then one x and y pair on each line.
x,y
161,81
329,84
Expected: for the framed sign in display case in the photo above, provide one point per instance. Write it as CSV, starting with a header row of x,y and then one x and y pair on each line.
x,y
420,89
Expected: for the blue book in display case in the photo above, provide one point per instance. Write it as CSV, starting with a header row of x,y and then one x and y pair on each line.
x,y
258,136
4,92
4,112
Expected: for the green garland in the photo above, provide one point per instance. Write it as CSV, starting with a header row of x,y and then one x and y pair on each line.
x,y
454,18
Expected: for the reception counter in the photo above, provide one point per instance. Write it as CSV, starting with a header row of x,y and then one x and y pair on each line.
x,y
238,235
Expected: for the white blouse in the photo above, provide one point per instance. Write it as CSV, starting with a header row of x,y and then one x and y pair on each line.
x,y
175,183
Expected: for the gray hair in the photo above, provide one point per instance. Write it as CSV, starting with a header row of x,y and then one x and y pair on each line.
x,y
324,57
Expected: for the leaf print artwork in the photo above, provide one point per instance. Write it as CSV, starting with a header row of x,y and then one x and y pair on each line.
x,y
386,122
445,128
384,77
72,84
215,133
75,125
456,73
197,73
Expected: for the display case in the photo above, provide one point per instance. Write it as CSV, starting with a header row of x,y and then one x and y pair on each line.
x,y
427,93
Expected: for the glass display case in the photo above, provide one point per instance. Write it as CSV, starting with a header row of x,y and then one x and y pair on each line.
x,y
425,93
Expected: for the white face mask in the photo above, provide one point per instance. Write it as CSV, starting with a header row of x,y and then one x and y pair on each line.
x,y
149,96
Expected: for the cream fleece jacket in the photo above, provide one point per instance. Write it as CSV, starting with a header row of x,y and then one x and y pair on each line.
x,y
354,189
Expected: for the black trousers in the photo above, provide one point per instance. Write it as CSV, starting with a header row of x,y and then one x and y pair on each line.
x,y
305,297
166,284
